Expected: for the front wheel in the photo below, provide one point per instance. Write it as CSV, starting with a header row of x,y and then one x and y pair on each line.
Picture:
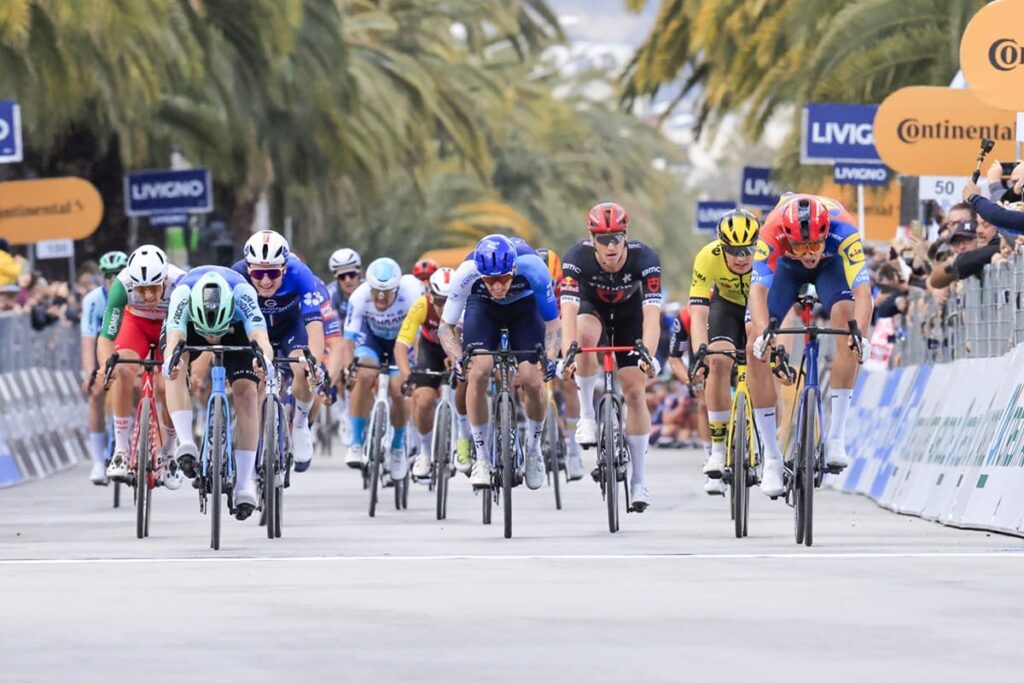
x,y
442,450
216,471
738,454
271,445
375,446
609,443
804,470
141,470
506,451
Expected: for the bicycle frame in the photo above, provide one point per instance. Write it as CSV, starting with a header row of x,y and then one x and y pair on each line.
x,y
218,389
147,395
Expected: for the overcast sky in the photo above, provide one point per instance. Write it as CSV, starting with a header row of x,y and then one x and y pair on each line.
x,y
605,21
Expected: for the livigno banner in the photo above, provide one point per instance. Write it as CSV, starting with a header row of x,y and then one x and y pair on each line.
x,y
926,130
992,54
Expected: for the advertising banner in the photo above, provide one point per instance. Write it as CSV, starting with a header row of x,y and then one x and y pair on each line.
x,y
992,54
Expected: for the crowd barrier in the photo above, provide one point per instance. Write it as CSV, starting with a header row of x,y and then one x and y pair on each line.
x,y
42,412
942,441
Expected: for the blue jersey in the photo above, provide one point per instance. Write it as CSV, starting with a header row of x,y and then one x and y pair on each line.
x,y
331,320
296,300
339,301
94,305
247,309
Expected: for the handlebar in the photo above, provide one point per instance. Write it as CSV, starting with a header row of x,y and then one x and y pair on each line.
x,y
812,330
148,364
638,348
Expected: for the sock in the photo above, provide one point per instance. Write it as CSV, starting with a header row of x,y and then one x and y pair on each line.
x,y
121,428
245,467
465,430
570,433
359,429
638,454
427,443
534,429
182,421
587,386
707,450
481,437
302,409
170,436
398,438
98,446
718,421
764,418
841,399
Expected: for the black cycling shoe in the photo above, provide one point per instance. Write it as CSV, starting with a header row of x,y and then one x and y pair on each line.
x,y
243,510
187,456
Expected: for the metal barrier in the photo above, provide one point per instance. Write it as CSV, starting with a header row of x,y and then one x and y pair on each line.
x,y
56,347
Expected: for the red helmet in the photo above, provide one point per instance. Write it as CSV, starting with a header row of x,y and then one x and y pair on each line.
x,y
608,217
805,219
424,268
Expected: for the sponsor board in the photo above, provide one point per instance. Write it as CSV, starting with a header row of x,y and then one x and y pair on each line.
x,y
992,54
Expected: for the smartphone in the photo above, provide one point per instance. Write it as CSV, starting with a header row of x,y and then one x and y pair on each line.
x,y
1008,167
917,229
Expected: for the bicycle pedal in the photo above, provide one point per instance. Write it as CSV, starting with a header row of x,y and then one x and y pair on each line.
x,y
834,469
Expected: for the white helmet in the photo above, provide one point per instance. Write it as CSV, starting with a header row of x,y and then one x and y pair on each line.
x,y
384,274
147,265
344,260
266,248
441,282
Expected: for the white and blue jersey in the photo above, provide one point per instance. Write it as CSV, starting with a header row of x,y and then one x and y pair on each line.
x,y
247,310
94,305
294,305
339,300
375,331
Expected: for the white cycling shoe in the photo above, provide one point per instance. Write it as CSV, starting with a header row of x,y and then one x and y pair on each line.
x,y
714,465
535,474
772,483
586,432
118,467
639,498
835,454
481,477
170,475
356,456
398,465
302,447
98,474
245,500
421,467
714,487
574,467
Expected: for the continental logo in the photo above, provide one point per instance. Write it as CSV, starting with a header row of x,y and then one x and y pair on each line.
x,y
911,130
1005,54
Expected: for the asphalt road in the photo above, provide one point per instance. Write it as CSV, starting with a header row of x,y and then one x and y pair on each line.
x,y
402,597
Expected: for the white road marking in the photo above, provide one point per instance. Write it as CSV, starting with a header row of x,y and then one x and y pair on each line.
x,y
1010,553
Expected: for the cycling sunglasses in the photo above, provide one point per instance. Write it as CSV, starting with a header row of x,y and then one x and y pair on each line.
x,y
347,276
609,239
383,294
739,251
259,273
807,248
497,279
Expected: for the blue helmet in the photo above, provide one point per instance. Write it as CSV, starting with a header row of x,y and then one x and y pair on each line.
x,y
495,255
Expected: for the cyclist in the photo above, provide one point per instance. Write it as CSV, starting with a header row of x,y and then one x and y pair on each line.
x,y
422,320
377,309
290,301
136,307
346,266
331,361
719,321
502,284
94,305
566,388
423,269
806,239
612,290
216,305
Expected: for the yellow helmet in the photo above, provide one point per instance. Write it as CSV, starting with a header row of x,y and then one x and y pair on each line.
x,y
738,228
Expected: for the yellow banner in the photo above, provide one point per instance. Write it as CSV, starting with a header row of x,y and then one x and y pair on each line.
x,y
49,209
992,55
881,207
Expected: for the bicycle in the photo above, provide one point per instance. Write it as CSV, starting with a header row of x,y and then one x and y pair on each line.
x,y
507,459
442,440
807,469
144,448
554,449
377,430
216,474
612,452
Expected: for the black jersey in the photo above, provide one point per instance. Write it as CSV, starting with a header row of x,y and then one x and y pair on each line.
x,y
679,346
637,283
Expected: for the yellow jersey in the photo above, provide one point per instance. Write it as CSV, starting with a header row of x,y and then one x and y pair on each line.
x,y
710,269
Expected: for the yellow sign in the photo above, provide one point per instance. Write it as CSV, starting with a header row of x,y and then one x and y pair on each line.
x,y
992,55
881,208
926,130
49,209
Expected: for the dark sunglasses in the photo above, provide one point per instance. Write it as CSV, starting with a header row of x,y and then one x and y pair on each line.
x,y
347,276
739,251
497,279
610,239
260,273
109,276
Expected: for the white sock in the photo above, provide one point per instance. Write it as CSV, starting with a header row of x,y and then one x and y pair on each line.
x,y
481,437
465,430
841,399
767,425
427,443
98,446
170,436
302,409
121,429
638,454
245,467
182,421
587,386
534,430
707,450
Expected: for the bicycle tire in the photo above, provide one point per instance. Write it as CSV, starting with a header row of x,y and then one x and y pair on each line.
x,y
150,475
278,499
141,467
376,444
552,443
506,453
608,445
488,503
117,494
441,449
406,485
270,457
739,465
216,471
809,465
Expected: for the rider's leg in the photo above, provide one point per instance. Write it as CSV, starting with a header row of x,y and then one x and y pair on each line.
x,y
535,402
245,400
97,426
638,421
399,413
361,397
588,332
844,374
424,400
477,379
122,402
717,397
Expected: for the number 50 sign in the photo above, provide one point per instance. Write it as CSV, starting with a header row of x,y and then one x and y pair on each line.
x,y
946,190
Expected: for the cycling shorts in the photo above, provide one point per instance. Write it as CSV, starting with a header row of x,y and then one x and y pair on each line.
x,y
429,357
621,325
289,337
726,322
484,320
377,350
137,333
828,278
237,364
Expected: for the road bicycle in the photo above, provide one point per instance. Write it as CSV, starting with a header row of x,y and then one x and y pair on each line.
x,y
443,438
554,449
378,435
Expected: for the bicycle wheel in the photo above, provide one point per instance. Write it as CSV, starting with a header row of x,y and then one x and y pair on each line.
x,y
406,485
376,455
141,467
442,449
739,465
608,449
216,472
268,469
488,502
810,465
506,453
552,450
803,493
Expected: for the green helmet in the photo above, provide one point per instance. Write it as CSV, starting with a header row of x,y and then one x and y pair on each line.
x,y
113,262
212,305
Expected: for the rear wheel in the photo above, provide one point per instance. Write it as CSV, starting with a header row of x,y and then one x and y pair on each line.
x,y
553,450
141,470
608,445
442,450
506,452
216,470
376,454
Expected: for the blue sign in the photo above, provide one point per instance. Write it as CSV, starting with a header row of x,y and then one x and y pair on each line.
x,y
757,189
708,213
838,132
168,220
150,192
10,132
861,174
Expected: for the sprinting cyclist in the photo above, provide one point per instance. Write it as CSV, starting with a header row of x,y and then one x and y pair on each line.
x,y
214,305
346,266
376,311
136,308
94,305
422,322
503,284
718,321
806,239
289,298
612,292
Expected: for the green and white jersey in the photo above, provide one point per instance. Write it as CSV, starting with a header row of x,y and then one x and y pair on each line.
x,y
122,295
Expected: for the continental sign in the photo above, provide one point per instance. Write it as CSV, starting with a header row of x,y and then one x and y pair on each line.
x,y
48,209
992,55
925,130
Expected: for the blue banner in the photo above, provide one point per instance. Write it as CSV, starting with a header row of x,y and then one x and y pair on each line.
x,y
708,213
150,192
10,132
838,132
860,174
757,189
169,220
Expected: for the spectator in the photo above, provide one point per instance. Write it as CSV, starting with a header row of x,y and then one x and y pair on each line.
x,y
9,298
10,269
992,212
973,244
